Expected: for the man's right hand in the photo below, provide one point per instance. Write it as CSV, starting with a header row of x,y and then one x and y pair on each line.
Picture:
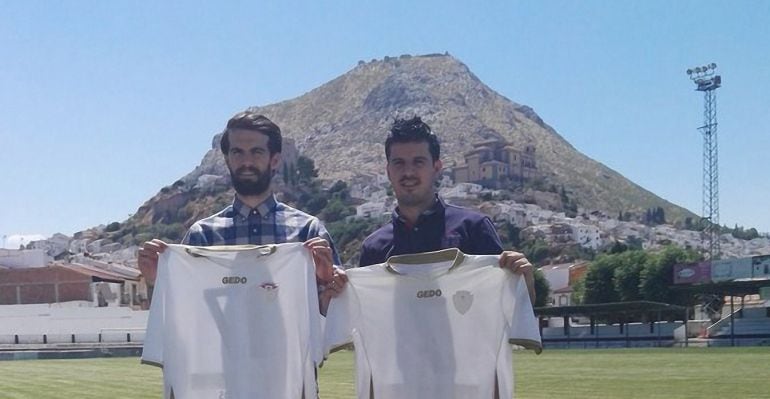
x,y
147,259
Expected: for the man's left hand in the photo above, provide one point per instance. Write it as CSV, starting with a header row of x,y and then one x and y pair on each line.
x,y
322,258
518,263
332,289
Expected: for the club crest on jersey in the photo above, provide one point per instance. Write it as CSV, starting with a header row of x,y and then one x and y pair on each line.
x,y
462,301
269,289
428,293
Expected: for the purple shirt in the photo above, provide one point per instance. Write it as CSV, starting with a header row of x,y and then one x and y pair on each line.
x,y
440,227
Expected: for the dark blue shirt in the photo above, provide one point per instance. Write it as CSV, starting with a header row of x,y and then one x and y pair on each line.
x,y
440,227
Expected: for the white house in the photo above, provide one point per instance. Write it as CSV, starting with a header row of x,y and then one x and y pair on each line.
x,y
23,258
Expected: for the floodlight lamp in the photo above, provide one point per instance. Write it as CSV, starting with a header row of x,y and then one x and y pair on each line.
x,y
697,69
713,66
689,71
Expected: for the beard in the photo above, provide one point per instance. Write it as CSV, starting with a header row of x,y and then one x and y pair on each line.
x,y
247,186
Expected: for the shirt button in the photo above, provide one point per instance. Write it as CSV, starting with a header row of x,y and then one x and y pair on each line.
x,y
255,230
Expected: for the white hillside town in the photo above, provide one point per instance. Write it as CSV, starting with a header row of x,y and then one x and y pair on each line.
x,y
91,293
590,229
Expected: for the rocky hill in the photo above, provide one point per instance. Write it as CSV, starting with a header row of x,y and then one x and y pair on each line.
x,y
342,125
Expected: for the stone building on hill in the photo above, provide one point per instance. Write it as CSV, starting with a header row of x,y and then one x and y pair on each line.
x,y
496,163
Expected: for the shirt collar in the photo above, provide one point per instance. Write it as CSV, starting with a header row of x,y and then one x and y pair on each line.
x,y
264,208
438,206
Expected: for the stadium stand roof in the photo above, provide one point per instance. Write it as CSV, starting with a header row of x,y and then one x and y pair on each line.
x,y
103,275
634,307
725,288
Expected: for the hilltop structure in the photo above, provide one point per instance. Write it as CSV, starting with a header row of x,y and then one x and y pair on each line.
x,y
493,163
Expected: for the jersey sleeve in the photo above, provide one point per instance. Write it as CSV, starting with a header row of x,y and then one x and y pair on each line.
x,y
522,324
340,320
152,350
314,313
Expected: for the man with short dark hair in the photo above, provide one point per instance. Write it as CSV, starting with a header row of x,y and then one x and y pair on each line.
x,y
422,221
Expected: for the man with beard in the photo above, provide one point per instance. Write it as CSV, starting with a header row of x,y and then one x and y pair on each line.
x,y
251,145
423,222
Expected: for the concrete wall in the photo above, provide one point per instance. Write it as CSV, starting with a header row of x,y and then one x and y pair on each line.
x,y
43,285
34,324
14,258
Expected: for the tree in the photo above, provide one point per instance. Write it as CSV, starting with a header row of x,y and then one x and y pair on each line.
x,y
509,234
536,251
285,174
336,210
542,289
348,235
579,291
741,234
628,268
655,216
658,274
634,243
599,287
114,226
306,170
312,202
618,247
340,190
578,252
569,205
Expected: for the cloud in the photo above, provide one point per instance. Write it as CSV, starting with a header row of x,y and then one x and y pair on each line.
x,y
13,241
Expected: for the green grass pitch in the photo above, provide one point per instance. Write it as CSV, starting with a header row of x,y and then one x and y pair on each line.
x,y
615,373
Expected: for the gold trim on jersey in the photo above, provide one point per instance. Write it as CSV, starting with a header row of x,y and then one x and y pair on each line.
x,y
528,344
151,363
444,255
264,250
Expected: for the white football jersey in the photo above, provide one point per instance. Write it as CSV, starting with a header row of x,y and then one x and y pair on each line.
x,y
235,322
433,325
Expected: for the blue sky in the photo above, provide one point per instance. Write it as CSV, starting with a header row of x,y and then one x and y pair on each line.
x,y
103,103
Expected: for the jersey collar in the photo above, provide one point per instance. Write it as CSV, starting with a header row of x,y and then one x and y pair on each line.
x,y
451,254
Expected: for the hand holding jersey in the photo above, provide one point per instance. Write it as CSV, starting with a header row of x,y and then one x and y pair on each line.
x,y
147,259
518,263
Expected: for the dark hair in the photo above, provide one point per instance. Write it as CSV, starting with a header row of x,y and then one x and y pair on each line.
x,y
248,120
412,130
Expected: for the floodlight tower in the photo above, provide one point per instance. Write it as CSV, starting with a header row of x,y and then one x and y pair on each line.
x,y
707,81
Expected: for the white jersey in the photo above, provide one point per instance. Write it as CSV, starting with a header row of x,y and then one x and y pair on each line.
x,y
433,325
235,322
